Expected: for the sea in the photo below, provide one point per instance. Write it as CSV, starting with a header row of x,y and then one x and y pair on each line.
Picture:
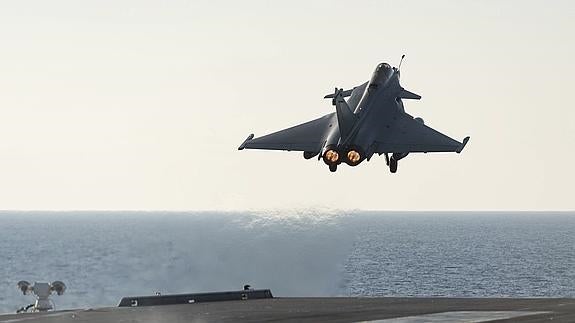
x,y
104,256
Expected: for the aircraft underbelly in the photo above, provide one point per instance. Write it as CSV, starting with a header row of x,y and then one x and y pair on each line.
x,y
376,120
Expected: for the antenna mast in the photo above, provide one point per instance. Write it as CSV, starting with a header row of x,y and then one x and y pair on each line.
x,y
402,57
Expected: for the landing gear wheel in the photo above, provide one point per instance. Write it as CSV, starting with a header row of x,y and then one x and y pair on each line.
x,y
392,165
332,168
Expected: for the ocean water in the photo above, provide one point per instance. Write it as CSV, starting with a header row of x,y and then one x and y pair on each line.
x,y
103,256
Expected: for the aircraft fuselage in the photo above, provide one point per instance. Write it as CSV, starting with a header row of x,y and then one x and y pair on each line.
x,y
381,91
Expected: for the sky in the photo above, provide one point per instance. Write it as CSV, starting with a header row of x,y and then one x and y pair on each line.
x,y
141,105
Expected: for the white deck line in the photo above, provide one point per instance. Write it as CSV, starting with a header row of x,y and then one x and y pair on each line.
x,y
459,317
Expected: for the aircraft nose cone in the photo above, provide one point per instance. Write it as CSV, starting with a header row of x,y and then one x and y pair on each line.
x,y
381,75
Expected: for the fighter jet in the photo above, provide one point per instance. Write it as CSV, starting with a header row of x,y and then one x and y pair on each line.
x,y
371,121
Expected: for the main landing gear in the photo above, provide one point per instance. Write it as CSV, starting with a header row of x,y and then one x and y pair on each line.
x,y
392,162
392,165
332,168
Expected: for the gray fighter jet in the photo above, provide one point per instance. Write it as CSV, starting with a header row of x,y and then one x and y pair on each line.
x,y
372,120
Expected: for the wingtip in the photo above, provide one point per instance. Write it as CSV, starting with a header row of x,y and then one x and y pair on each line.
x,y
243,145
465,140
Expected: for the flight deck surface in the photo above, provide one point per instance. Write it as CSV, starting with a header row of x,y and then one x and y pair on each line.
x,y
344,309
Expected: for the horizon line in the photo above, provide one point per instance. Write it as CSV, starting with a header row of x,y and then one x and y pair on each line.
x,y
296,210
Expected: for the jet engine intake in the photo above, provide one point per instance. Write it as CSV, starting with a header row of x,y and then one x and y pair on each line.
x,y
309,154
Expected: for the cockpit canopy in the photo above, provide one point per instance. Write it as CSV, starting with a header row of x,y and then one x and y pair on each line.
x,y
383,66
380,76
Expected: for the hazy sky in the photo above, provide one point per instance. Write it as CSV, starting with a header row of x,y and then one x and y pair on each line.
x,y
142,104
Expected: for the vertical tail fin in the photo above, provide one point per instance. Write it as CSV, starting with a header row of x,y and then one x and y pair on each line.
x,y
345,117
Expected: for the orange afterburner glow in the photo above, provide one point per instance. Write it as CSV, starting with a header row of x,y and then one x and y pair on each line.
x,y
353,156
331,156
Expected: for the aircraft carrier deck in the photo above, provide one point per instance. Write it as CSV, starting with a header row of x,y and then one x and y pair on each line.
x,y
387,309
